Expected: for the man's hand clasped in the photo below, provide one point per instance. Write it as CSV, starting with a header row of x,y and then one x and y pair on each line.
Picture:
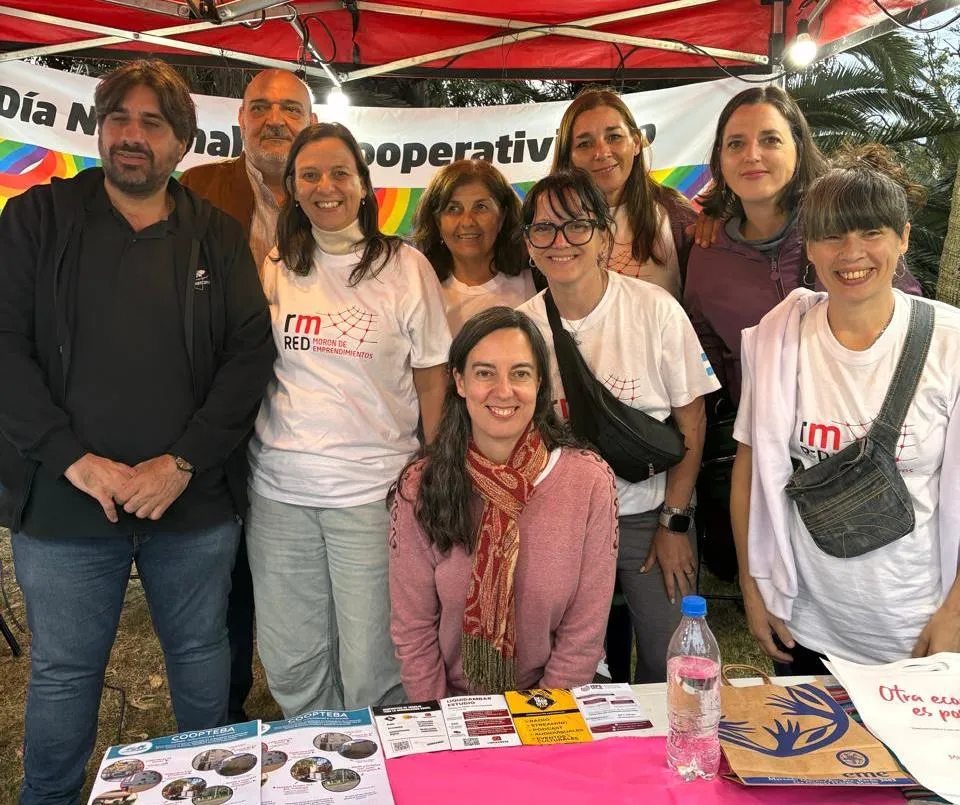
x,y
146,490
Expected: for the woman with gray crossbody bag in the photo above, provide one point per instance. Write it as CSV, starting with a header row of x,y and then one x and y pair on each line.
x,y
846,487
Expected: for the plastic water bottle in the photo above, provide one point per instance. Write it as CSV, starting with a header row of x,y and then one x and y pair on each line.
x,y
693,694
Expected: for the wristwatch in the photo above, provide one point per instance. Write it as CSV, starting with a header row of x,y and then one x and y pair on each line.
x,y
184,465
676,520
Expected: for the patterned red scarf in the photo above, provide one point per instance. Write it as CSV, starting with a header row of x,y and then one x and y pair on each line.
x,y
488,644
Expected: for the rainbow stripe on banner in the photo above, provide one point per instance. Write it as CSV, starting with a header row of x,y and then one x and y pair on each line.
x,y
23,165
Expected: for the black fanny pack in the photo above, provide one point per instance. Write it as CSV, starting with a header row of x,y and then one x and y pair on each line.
x,y
636,445
855,501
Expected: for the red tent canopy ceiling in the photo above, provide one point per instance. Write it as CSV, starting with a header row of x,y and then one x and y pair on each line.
x,y
495,38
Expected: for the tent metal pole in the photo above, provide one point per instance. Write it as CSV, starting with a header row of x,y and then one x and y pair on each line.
x,y
103,41
152,39
909,16
241,8
818,10
557,30
300,28
501,22
169,7
664,44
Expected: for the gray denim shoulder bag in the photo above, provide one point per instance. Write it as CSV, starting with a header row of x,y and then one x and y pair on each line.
x,y
855,501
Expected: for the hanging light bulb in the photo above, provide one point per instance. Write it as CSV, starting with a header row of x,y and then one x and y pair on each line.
x,y
337,98
803,49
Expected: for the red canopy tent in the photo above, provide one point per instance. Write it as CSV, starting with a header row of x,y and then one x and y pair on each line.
x,y
352,39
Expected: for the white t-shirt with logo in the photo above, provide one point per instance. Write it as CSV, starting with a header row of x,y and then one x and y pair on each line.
x,y
464,301
870,608
339,419
641,345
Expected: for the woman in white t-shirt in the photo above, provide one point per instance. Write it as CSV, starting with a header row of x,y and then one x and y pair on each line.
x,y
598,133
636,340
362,341
467,223
816,371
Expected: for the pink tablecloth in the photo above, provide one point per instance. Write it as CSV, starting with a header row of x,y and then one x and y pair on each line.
x,y
617,771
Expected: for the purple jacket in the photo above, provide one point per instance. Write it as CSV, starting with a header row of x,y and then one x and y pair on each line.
x,y
730,286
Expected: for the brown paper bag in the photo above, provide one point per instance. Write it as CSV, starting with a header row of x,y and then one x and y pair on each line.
x,y
799,735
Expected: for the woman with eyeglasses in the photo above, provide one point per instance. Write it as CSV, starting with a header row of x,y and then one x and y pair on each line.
x,y
362,343
467,224
648,237
638,342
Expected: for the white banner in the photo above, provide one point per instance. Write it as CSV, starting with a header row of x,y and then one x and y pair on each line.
x,y
48,128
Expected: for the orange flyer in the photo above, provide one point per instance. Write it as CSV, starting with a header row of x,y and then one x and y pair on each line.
x,y
544,716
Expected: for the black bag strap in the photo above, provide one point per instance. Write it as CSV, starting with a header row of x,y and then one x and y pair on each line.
x,y
579,384
885,430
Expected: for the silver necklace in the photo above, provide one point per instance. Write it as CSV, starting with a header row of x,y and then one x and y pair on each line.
x,y
884,328
575,330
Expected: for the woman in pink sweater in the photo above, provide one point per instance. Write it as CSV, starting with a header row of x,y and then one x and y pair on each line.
x,y
503,540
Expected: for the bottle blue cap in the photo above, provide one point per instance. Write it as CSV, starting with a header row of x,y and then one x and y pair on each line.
x,y
694,606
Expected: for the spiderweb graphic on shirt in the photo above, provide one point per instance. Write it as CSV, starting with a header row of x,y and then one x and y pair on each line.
x,y
624,389
908,438
353,323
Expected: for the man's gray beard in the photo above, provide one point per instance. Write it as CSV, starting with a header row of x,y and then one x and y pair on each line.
x,y
269,163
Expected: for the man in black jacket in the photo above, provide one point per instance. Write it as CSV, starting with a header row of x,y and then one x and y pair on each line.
x,y
135,344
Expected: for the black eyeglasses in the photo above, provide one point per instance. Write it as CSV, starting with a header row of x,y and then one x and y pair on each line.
x,y
576,232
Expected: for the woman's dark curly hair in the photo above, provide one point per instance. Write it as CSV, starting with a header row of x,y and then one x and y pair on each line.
x,y
295,241
509,254
443,503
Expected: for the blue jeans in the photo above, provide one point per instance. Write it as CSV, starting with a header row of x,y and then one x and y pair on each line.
x,y
320,583
74,589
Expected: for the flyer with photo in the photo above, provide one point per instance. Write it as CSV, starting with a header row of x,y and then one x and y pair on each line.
x,y
204,767
478,722
612,710
547,716
323,758
409,729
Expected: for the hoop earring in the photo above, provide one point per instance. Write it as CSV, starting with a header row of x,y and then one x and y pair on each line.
x,y
530,261
901,270
808,280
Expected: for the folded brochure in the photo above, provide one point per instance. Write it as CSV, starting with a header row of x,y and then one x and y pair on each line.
x,y
479,722
409,729
203,767
325,756
612,710
547,716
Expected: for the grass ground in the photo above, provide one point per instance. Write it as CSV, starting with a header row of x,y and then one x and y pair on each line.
x,y
135,675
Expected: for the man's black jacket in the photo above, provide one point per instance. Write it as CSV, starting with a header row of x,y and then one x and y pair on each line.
x,y
226,332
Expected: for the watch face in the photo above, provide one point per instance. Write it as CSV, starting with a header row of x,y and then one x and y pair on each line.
x,y
679,523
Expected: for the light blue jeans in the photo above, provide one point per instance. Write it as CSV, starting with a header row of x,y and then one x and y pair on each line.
x,y
74,590
320,586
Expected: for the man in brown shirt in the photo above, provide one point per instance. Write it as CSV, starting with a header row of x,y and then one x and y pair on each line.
x,y
276,107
